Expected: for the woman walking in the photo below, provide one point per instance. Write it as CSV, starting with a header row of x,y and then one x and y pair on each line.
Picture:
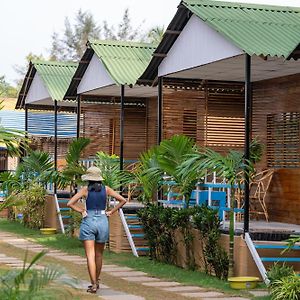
x,y
94,226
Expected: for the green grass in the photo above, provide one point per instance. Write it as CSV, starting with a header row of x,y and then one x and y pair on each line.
x,y
161,270
57,241
170,272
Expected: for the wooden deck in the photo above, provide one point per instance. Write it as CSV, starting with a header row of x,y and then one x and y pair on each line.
x,y
267,227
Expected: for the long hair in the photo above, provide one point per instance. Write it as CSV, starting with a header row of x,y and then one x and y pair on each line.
x,y
94,186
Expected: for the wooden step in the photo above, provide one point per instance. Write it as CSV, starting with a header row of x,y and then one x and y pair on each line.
x,y
142,249
280,259
138,235
272,246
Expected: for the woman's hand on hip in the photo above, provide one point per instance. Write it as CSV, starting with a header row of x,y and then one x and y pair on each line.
x,y
84,214
108,213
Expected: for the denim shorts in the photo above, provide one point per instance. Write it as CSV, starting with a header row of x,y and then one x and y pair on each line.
x,y
94,227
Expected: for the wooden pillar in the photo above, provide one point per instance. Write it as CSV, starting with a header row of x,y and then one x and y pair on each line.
x,y
248,111
159,109
55,140
78,98
24,144
26,120
122,127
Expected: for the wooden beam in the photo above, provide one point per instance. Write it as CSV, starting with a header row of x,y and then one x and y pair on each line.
x,y
84,62
159,55
175,32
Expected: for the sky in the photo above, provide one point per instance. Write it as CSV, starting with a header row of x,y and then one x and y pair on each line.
x,y
27,25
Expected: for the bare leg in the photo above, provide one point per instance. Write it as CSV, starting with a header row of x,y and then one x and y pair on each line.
x,y
89,247
99,247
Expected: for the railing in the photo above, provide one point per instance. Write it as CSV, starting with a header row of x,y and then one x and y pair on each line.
x,y
256,258
128,233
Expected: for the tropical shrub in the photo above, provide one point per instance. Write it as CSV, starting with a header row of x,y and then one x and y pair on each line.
x,y
158,228
215,258
25,187
33,209
286,288
231,167
279,271
161,225
74,222
181,220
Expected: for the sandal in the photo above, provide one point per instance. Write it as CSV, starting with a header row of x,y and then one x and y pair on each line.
x,y
92,288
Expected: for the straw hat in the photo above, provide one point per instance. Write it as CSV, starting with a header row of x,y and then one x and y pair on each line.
x,y
92,174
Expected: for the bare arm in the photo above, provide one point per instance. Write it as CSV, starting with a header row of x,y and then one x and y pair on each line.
x,y
72,202
118,197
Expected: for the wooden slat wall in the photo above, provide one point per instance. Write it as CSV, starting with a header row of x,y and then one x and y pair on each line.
x,y
46,144
97,124
3,160
151,126
225,119
283,140
176,106
101,124
277,96
213,116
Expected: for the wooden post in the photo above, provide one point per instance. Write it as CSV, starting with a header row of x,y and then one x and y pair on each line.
x,y
248,110
26,120
55,140
122,127
78,98
23,145
159,110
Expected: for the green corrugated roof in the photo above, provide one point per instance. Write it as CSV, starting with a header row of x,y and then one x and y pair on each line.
x,y
124,61
256,29
56,76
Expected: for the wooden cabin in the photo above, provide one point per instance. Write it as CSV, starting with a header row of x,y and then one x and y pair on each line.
x,y
41,96
116,114
215,53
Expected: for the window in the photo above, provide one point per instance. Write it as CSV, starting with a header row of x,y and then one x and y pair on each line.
x,y
283,144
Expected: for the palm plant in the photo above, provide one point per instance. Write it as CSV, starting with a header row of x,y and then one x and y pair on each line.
x,y
172,153
110,169
34,172
12,139
148,173
232,168
71,174
38,166
29,283
164,160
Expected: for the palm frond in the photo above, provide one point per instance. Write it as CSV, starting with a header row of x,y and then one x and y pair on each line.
x,y
38,162
75,150
13,139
